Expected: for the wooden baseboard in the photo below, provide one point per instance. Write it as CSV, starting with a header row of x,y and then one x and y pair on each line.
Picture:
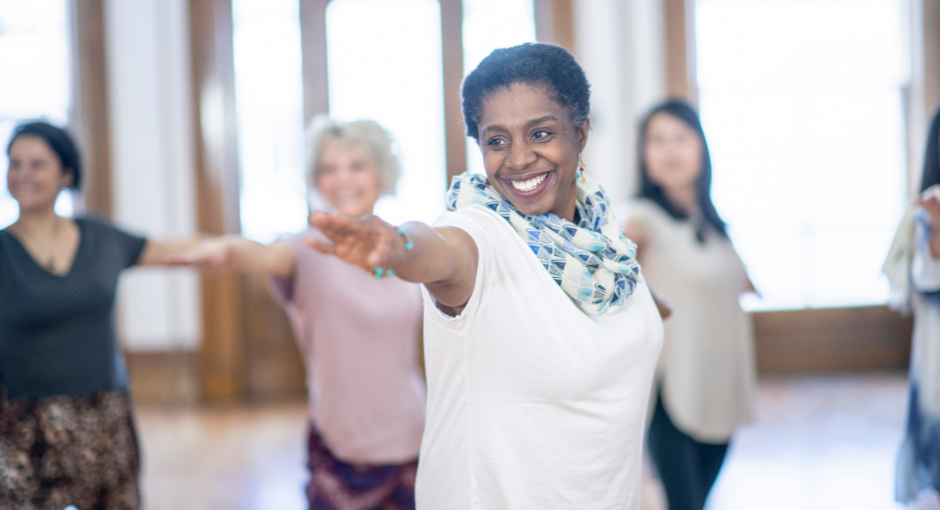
x,y
169,378
862,338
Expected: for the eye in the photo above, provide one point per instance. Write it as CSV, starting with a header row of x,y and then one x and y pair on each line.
x,y
358,166
496,142
541,134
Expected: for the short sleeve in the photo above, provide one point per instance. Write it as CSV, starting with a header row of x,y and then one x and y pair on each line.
x,y
479,224
283,290
127,246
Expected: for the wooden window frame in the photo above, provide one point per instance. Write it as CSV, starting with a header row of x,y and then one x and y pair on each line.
x,y
822,339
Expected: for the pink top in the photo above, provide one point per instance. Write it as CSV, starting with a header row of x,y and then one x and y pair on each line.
x,y
358,337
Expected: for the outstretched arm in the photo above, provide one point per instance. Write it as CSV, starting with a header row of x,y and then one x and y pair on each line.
x,y
444,259
238,254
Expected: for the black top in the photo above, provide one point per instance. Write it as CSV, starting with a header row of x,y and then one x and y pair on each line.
x,y
57,334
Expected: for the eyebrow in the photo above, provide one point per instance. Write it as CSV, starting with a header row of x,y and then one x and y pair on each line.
x,y
528,124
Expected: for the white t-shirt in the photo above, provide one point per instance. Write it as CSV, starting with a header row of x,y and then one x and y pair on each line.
x,y
532,404
707,369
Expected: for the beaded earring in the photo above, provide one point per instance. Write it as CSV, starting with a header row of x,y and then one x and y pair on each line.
x,y
581,179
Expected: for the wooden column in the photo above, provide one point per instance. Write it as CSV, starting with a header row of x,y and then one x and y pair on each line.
x,y
90,111
313,48
931,24
554,23
680,49
452,50
216,154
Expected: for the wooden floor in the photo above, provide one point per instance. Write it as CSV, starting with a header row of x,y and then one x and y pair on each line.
x,y
819,443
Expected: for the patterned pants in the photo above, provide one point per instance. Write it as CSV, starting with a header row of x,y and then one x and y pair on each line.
x,y
69,450
337,485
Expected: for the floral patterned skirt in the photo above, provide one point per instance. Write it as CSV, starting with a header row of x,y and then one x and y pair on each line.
x,y
69,450
338,485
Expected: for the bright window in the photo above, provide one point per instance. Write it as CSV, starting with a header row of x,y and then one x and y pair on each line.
x,y
36,79
487,25
802,103
385,64
269,97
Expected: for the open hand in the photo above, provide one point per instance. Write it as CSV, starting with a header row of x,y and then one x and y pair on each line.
x,y
930,201
366,242
209,254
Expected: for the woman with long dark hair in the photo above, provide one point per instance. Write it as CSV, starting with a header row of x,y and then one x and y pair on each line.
x,y
706,372
916,251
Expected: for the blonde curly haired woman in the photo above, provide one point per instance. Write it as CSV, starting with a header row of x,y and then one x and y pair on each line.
x,y
358,335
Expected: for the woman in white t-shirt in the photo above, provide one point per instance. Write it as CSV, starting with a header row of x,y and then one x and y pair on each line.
x,y
541,335
706,373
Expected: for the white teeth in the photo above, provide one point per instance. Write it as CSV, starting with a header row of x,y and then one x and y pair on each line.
x,y
530,184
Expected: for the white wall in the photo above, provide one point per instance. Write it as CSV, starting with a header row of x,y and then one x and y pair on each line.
x,y
620,44
150,113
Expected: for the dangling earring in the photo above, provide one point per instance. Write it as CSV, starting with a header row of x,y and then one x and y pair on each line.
x,y
581,179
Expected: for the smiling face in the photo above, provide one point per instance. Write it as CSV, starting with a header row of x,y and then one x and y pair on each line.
x,y
35,176
673,152
348,178
530,149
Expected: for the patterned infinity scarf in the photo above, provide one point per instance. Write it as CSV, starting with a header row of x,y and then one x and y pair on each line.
x,y
591,261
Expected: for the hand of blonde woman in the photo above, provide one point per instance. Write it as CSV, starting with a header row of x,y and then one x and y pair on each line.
x,y
367,242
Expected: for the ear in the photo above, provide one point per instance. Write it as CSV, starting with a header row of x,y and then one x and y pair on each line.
x,y
68,178
583,132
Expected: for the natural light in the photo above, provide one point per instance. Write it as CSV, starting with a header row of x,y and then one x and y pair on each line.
x,y
802,104
487,25
269,97
385,64
40,88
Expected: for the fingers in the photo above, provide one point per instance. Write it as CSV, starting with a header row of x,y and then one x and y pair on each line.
x,y
324,248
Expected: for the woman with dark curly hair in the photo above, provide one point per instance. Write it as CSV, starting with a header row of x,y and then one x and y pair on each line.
x,y
66,422
541,335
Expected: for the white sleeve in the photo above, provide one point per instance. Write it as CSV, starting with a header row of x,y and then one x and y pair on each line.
x,y
473,222
925,268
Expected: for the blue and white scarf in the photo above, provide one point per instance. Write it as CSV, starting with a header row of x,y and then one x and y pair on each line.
x,y
592,261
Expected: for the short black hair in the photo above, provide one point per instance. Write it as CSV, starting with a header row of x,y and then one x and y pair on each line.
x,y
531,64
684,112
61,143
932,157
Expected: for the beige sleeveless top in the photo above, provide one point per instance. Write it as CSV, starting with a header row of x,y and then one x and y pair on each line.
x,y
707,369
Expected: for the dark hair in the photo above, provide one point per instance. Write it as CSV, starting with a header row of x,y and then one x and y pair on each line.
x,y
932,157
649,189
59,140
532,64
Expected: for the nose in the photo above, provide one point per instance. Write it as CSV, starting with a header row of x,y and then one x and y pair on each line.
x,y
520,156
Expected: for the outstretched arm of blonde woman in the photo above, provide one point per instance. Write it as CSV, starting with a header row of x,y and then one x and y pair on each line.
x,y
930,201
444,259
238,254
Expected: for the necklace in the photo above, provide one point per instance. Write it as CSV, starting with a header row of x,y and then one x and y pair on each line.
x,y
50,266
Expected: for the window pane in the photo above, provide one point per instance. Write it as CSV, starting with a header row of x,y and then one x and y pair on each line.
x,y
36,80
269,97
487,25
385,64
802,105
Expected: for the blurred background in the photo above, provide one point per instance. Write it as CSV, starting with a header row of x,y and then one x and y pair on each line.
x,y
191,115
